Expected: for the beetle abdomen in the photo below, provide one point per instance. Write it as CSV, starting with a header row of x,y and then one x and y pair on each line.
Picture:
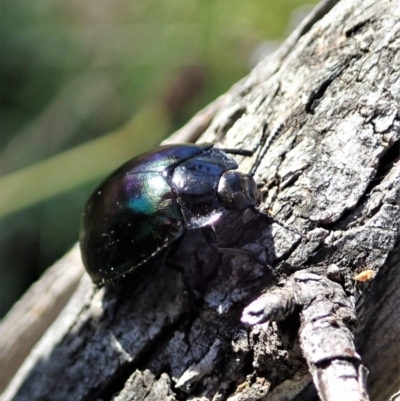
x,y
127,223
133,215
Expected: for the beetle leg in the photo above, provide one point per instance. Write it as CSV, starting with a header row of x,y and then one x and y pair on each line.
x,y
180,269
262,141
211,238
240,152
247,152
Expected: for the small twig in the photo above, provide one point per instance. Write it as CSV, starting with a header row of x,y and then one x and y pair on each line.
x,y
325,337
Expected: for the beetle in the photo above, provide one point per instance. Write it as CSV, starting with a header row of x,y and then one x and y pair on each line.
x,y
142,209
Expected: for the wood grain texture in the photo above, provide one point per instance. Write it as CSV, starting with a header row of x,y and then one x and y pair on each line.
x,y
32,315
333,175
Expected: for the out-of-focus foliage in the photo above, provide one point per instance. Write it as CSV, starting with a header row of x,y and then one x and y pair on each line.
x,y
74,71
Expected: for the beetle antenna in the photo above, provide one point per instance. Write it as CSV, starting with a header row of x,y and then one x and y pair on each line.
x,y
274,220
252,172
268,143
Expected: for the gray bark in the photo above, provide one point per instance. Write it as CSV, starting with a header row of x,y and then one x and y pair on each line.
x,y
329,303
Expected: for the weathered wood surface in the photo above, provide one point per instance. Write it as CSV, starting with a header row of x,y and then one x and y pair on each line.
x,y
331,174
32,315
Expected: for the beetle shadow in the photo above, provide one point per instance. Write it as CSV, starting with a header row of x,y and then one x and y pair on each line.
x,y
204,267
125,289
208,269
141,311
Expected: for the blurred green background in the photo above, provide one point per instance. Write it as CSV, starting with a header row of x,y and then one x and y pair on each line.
x,y
87,84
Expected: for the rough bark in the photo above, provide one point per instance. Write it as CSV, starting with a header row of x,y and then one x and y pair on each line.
x,y
328,304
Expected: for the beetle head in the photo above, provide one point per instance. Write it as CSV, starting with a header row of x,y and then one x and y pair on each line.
x,y
238,191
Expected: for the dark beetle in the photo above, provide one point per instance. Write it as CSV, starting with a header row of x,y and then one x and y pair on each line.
x,y
141,209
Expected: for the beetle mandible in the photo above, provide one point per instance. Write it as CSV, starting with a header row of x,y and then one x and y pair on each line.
x,y
147,204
